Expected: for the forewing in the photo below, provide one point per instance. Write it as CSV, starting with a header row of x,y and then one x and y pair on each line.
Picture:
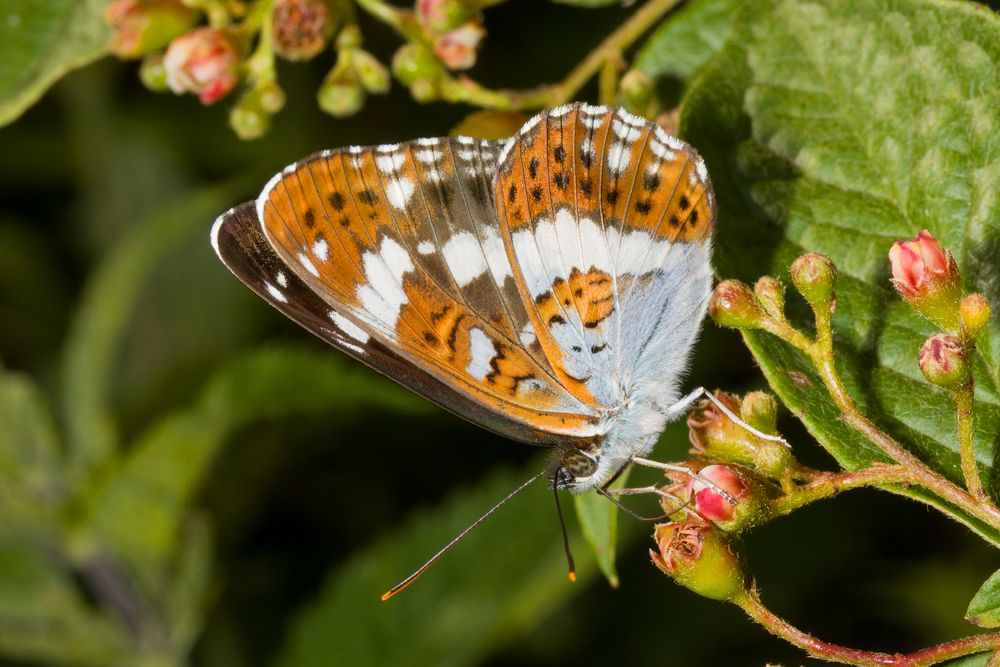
x,y
608,221
402,242
242,247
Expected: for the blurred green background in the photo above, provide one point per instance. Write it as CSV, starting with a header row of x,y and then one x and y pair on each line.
x,y
186,477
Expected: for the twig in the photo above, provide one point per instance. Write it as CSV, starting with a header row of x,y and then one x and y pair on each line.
x,y
750,602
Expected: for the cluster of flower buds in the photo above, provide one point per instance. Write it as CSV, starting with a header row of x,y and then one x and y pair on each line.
x,y
735,305
927,277
716,437
241,41
356,74
454,29
240,44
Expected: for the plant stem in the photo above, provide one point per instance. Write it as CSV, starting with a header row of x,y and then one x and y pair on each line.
x,y
965,404
750,602
612,46
607,82
827,485
820,352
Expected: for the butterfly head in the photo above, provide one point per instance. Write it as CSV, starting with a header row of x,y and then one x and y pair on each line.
x,y
579,470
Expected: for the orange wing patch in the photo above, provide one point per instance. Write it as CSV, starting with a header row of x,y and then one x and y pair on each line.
x,y
346,222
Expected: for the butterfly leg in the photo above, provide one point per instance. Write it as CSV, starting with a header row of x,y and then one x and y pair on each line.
x,y
685,471
700,392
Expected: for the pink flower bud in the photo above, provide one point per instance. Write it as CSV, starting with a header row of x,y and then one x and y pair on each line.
x,y
717,501
301,28
144,26
918,264
942,361
926,275
204,62
444,15
733,305
457,49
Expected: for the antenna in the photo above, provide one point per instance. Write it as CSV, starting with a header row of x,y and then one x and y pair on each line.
x,y
562,525
433,559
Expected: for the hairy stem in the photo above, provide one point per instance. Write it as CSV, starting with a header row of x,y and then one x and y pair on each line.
x,y
750,602
827,485
821,353
965,404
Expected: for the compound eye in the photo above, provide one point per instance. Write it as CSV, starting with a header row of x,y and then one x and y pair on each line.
x,y
578,464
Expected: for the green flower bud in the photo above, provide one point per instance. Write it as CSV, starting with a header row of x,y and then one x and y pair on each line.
x,y
733,305
414,62
700,558
341,93
770,295
251,117
760,410
153,74
975,311
425,90
942,361
636,89
372,74
813,275
349,38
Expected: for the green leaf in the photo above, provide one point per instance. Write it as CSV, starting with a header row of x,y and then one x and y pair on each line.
x,y
30,487
103,316
192,588
598,518
42,40
43,618
499,581
984,609
166,466
839,127
688,39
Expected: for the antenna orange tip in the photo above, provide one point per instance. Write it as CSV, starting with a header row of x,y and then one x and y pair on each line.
x,y
386,595
572,577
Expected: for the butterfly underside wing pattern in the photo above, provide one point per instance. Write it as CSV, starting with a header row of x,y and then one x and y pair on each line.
x,y
548,287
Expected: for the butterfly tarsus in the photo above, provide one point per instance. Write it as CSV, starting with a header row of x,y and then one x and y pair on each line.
x,y
701,392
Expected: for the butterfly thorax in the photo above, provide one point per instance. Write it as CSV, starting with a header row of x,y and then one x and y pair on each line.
x,y
633,428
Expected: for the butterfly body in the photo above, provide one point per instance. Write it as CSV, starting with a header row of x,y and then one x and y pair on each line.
x,y
548,287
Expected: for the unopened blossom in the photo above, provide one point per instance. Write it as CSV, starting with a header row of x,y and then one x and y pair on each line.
x,y
926,276
204,62
457,49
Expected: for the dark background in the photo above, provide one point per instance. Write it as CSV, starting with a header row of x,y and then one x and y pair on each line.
x,y
291,499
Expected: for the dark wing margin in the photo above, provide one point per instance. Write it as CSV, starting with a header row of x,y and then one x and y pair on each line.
x,y
242,247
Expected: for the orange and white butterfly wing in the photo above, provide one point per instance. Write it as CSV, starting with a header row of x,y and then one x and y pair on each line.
x,y
608,221
367,231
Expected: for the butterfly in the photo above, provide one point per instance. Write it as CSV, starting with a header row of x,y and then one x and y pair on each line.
x,y
548,287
